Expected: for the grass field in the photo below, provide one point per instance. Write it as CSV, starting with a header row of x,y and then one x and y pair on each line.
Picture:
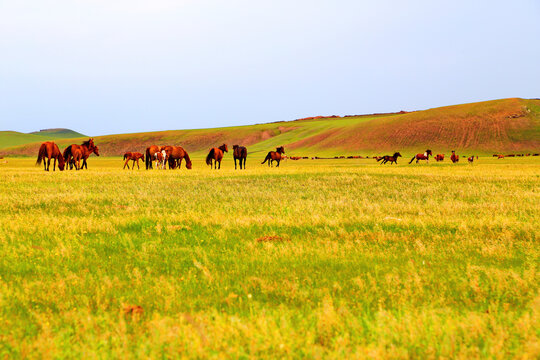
x,y
316,259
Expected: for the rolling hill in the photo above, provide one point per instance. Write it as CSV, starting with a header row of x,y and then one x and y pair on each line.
x,y
506,125
14,138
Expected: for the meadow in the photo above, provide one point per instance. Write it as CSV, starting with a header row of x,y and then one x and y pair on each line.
x,y
315,259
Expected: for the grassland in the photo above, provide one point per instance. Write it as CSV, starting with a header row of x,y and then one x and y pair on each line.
x,y
484,128
315,259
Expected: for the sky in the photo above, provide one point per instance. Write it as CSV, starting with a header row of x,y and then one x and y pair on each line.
x,y
115,66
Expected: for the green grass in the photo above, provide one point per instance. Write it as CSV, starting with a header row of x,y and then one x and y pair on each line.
x,y
367,261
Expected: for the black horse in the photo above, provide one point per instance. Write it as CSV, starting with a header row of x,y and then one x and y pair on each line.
x,y
387,158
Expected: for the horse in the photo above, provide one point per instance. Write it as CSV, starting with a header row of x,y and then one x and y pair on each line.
x,y
150,153
239,153
439,157
387,158
160,158
216,154
454,157
87,148
424,156
50,150
77,156
175,155
135,156
470,159
274,155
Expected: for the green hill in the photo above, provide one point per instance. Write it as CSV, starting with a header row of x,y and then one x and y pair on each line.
x,y
507,125
14,138
58,133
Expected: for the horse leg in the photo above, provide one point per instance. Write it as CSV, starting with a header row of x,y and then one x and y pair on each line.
x,y
235,163
48,164
219,165
244,163
126,164
278,161
138,168
54,165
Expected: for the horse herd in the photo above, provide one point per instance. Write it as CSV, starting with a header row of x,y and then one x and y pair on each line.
x,y
425,156
160,155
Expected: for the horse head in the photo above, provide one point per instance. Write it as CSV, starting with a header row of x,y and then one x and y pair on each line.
x,y
224,148
188,164
235,147
429,152
280,150
396,155
96,151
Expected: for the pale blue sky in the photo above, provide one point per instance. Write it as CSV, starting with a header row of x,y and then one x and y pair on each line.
x,y
102,67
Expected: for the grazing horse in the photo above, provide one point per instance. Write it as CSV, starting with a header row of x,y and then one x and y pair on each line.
x,y
239,153
150,154
86,148
216,154
49,150
175,155
387,158
424,156
134,156
274,155
454,157
439,157
470,159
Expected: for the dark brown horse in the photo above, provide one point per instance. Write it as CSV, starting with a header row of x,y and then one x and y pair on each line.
x,y
175,155
454,157
150,152
387,158
49,150
424,156
133,156
216,154
240,153
86,148
274,155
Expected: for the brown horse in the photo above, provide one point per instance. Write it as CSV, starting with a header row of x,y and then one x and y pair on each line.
x,y
454,157
49,150
274,155
240,153
387,158
175,155
76,157
150,152
86,148
424,156
133,156
439,157
216,154
470,159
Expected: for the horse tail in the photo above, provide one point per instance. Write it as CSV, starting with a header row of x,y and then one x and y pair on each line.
x,y
148,160
209,157
268,156
380,159
414,157
67,152
41,154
